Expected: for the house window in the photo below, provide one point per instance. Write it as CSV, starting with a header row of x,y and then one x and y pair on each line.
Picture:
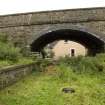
x,y
72,52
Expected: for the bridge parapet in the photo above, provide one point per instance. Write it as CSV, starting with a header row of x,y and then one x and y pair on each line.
x,y
53,17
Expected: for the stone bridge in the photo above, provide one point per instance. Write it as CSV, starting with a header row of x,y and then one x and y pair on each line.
x,y
36,29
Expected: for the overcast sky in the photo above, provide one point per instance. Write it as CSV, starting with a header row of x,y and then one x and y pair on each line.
x,y
21,6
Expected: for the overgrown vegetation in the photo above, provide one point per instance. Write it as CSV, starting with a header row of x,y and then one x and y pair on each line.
x,y
7,49
9,54
87,64
84,74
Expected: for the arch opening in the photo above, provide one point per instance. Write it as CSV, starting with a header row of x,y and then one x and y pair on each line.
x,y
90,41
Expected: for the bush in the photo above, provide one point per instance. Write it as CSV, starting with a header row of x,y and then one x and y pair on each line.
x,y
82,64
7,49
9,52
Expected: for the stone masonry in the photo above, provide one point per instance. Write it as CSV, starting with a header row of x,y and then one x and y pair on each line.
x,y
24,28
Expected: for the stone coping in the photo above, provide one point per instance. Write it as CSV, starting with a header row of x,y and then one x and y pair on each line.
x,y
53,17
12,67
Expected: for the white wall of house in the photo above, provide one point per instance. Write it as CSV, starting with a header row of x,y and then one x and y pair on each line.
x,y
70,48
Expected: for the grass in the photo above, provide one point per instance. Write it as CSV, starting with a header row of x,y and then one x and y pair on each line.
x,y
45,88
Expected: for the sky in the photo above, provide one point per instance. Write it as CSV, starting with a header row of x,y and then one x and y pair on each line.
x,y
22,6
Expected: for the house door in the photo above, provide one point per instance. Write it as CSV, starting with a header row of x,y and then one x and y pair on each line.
x,y
72,51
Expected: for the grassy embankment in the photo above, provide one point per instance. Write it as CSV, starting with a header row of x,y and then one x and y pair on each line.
x,y
85,75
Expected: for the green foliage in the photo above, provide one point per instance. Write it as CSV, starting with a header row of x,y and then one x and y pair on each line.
x,y
41,88
86,75
4,63
11,55
44,88
7,50
65,73
3,38
82,64
44,63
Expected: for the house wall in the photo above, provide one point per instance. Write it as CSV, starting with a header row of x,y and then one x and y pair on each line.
x,y
63,48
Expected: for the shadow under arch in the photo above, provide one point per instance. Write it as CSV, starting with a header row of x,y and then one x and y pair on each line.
x,y
91,41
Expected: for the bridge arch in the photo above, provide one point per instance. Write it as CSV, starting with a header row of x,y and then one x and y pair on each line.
x,y
89,39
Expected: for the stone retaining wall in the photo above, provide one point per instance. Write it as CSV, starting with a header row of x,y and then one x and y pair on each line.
x,y
10,75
